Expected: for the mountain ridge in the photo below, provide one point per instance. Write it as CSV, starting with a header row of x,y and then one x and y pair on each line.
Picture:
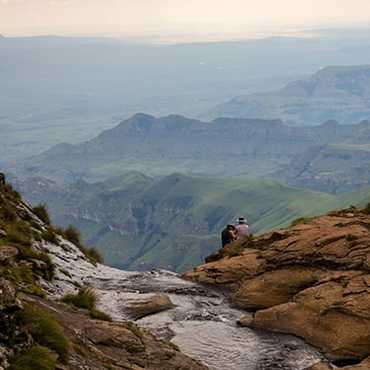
x,y
335,92
160,146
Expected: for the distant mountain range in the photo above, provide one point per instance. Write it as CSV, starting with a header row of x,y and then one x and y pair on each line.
x,y
140,222
330,168
225,147
333,93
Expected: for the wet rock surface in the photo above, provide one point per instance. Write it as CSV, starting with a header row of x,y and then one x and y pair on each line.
x,y
311,280
200,322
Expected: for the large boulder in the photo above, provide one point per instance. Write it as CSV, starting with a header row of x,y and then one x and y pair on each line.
x,y
311,280
148,304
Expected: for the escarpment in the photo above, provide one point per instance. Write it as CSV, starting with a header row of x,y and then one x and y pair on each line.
x,y
38,331
311,280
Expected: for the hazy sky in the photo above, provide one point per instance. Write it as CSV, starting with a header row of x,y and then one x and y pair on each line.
x,y
220,18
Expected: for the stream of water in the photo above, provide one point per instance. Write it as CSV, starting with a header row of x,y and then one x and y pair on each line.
x,y
202,323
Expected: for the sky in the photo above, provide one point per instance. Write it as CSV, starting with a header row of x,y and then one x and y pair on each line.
x,y
177,18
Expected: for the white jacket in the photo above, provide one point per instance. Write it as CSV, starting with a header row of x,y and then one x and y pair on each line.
x,y
243,230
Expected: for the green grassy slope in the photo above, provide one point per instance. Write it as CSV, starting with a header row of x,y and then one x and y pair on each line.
x,y
174,222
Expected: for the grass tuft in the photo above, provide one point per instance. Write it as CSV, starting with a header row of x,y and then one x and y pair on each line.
x,y
42,213
34,358
85,298
45,330
74,236
50,235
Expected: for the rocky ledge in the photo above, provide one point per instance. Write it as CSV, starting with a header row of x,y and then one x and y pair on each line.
x,y
311,280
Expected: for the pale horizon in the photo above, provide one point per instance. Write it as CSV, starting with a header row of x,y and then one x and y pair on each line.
x,y
176,20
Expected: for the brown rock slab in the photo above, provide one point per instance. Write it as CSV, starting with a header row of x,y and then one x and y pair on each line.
x,y
311,280
275,287
148,305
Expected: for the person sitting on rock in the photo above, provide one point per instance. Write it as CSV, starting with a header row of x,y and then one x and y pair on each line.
x,y
228,235
242,227
2,179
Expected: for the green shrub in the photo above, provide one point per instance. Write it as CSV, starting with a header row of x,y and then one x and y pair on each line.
x,y
24,279
49,235
11,193
7,213
34,358
18,233
74,236
42,213
93,255
85,298
28,253
99,315
45,330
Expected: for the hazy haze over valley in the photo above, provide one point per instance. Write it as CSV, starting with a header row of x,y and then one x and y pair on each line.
x,y
69,120
138,137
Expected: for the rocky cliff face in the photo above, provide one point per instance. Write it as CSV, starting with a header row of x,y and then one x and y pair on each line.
x,y
38,331
311,280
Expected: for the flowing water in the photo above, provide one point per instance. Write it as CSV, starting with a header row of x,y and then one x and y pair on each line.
x,y
202,323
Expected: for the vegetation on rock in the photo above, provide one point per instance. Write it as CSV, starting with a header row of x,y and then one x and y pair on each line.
x,y
34,358
37,333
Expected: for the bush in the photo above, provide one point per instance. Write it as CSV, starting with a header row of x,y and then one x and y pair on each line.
x,y
7,213
34,358
18,233
85,298
50,236
11,193
45,330
42,213
92,254
74,236
28,253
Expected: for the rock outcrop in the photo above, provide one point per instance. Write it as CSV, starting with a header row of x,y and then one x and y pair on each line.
x,y
311,280
38,265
